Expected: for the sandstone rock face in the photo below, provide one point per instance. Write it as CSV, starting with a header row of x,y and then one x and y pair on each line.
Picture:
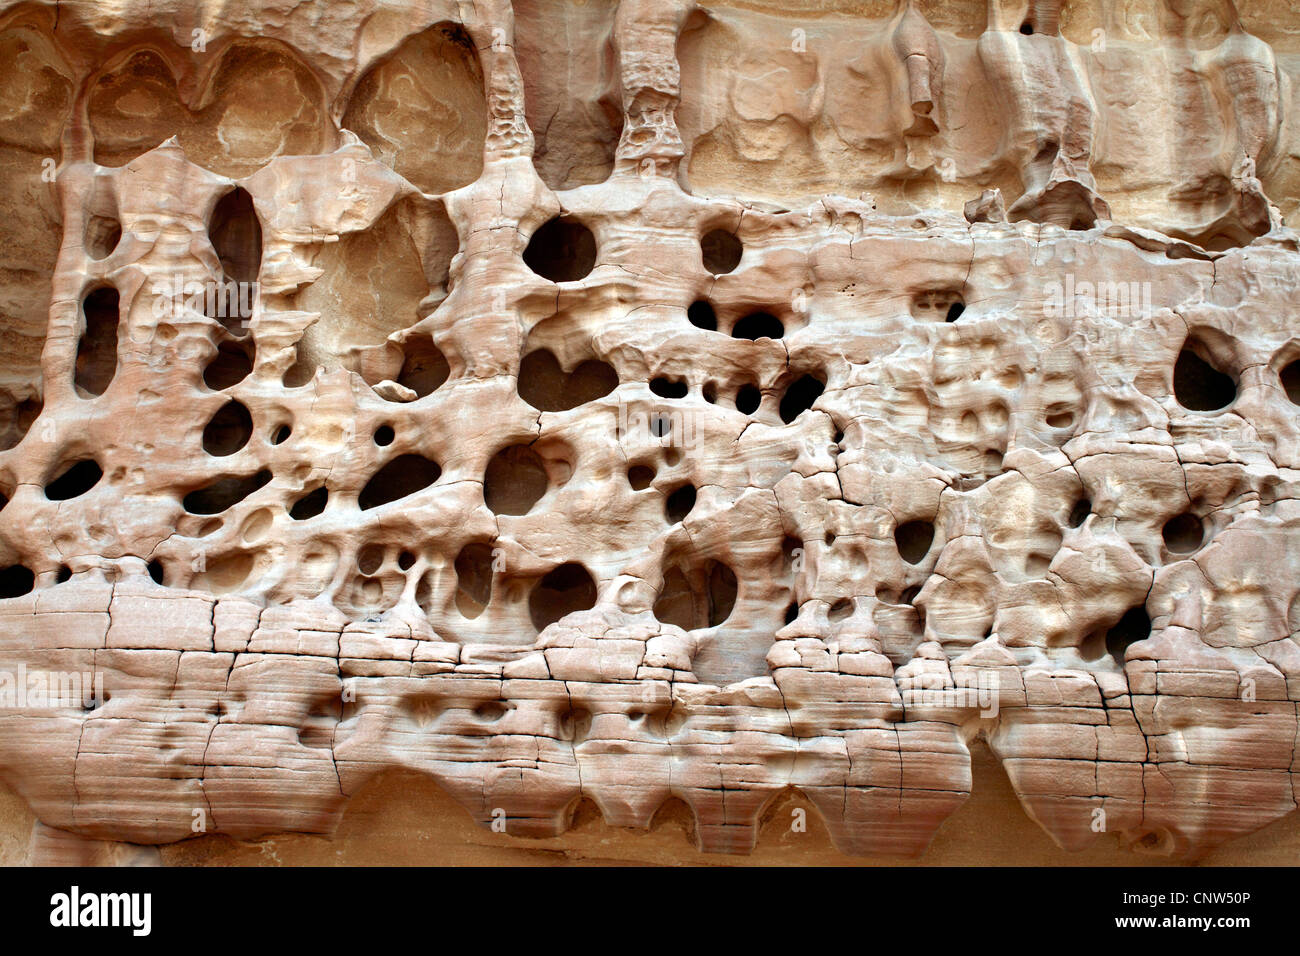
x,y
651,401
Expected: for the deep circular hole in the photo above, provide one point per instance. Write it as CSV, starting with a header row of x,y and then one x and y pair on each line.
x,y
63,574
640,476
75,481
1079,513
955,310
1291,381
758,325
748,399
1027,28
1183,533
562,250
914,539
406,560
370,558
281,435
721,251
15,581
384,435
679,504
702,316
668,388
156,571
710,393
228,430
1199,386
1134,626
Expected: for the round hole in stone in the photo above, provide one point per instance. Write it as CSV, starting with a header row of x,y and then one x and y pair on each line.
x,y
15,581
310,504
403,476
679,504
702,316
231,365
721,251
1290,377
799,397
1199,386
75,481
228,430
1183,533
562,250
63,574
1134,626
668,388
370,558
564,590
748,399
758,325
102,236
1027,28
515,480
406,560
955,310
156,571
281,434
914,539
640,476
1079,513
384,435
710,393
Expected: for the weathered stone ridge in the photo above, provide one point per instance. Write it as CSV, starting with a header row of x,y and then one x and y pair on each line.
x,y
645,401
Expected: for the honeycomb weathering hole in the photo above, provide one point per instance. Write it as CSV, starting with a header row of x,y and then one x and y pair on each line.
x,y
914,539
698,598
1199,386
563,591
224,493
800,396
721,251
400,478
1183,533
74,482
231,365
562,250
228,430
473,579
544,385
15,581
758,325
515,480
97,350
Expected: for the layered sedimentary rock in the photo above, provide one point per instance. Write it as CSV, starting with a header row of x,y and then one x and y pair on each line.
x,y
651,401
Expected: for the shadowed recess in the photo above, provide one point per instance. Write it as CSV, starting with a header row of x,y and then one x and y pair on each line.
x,y
403,476
74,481
514,481
562,250
701,597
231,365
564,590
228,430
799,397
473,579
914,539
544,385
97,351
721,251
1199,386
224,493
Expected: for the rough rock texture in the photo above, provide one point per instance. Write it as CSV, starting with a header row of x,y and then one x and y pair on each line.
x,y
648,402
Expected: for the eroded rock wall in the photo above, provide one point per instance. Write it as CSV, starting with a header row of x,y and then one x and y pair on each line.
x,y
649,402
